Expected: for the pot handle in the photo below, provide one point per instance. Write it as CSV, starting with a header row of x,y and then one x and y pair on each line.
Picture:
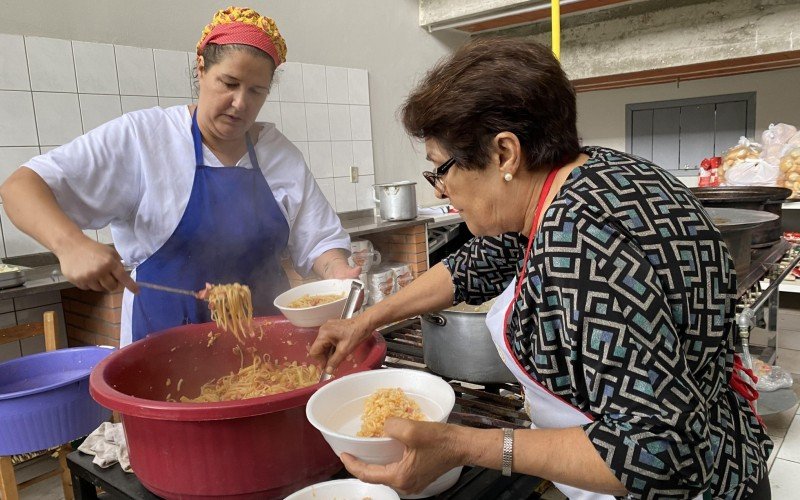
x,y
436,319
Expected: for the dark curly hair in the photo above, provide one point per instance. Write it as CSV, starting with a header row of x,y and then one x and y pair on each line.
x,y
494,85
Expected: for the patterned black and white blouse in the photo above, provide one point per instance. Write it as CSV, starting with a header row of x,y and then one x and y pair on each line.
x,y
627,313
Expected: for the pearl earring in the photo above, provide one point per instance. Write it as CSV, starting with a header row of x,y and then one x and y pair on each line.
x,y
508,177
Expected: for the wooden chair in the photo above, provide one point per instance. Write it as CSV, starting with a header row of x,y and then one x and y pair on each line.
x,y
9,489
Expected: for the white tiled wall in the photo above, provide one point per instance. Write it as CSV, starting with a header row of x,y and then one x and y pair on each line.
x,y
325,112
52,91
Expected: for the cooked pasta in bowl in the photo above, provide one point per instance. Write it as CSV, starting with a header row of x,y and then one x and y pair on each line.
x,y
312,304
352,409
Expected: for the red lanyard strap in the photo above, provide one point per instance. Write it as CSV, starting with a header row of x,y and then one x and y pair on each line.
x,y
537,215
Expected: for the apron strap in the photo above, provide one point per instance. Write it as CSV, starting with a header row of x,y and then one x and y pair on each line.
x,y
251,151
548,184
197,139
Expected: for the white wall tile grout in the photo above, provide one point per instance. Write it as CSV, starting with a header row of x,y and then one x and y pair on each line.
x,y
116,72
33,106
311,91
155,75
77,89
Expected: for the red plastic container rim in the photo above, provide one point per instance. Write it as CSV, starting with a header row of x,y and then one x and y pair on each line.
x,y
115,400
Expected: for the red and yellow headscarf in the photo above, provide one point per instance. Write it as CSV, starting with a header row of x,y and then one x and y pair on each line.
x,y
247,27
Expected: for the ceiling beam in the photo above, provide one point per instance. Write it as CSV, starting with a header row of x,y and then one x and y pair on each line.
x,y
491,21
519,15
711,69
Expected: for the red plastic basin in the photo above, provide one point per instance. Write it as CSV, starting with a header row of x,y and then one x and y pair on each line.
x,y
255,448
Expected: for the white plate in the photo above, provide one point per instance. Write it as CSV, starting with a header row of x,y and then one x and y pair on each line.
x,y
344,489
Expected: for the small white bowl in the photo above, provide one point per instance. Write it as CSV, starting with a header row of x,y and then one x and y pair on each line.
x,y
315,315
344,489
336,409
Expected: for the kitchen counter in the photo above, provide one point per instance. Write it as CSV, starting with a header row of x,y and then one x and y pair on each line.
x,y
371,224
37,280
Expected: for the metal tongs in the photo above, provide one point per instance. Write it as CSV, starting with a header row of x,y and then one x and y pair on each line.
x,y
353,302
170,289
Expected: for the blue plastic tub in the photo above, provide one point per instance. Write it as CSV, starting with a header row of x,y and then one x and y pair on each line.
x,y
45,401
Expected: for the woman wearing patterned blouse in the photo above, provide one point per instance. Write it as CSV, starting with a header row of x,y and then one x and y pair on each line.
x,y
616,299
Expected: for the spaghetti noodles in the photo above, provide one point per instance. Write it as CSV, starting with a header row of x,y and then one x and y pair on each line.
x,y
385,403
314,300
261,378
232,308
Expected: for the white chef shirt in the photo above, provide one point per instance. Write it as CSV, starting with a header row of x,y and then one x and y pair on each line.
x,y
135,173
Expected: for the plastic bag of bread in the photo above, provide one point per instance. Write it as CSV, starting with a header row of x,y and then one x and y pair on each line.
x,y
774,141
752,172
793,142
777,134
790,171
743,151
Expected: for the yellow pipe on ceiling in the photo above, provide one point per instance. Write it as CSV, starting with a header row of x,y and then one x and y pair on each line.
x,y
555,22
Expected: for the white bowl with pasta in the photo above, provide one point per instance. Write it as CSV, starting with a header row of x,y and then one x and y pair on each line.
x,y
336,410
300,306
344,488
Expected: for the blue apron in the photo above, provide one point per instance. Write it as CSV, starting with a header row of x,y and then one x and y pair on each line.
x,y
232,231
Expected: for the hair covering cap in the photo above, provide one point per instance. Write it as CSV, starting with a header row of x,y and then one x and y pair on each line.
x,y
244,26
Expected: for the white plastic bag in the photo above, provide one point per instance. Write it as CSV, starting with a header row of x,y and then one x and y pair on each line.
x,y
793,142
744,150
774,140
752,172
777,134
789,166
771,378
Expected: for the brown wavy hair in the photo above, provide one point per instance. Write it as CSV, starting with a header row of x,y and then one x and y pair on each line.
x,y
494,85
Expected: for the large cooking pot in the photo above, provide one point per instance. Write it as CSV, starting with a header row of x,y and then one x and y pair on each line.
x,y
398,200
255,448
737,226
457,344
762,198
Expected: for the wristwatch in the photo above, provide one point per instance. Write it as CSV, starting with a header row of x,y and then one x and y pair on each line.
x,y
508,451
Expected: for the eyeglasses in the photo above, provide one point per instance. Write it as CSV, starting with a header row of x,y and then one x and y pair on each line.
x,y
436,179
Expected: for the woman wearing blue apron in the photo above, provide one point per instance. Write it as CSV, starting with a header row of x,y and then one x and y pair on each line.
x,y
232,231
193,195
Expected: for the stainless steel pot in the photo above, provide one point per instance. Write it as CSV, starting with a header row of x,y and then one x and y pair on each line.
x,y
737,226
763,198
398,200
457,344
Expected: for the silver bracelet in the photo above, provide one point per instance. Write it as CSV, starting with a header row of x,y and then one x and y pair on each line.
x,y
508,451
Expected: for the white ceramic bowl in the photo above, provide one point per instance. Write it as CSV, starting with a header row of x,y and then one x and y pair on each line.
x,y
344,489
336,409
315,315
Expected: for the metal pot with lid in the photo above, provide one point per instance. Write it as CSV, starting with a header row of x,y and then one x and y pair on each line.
x,y
737,227
398,200
761,198
457,344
